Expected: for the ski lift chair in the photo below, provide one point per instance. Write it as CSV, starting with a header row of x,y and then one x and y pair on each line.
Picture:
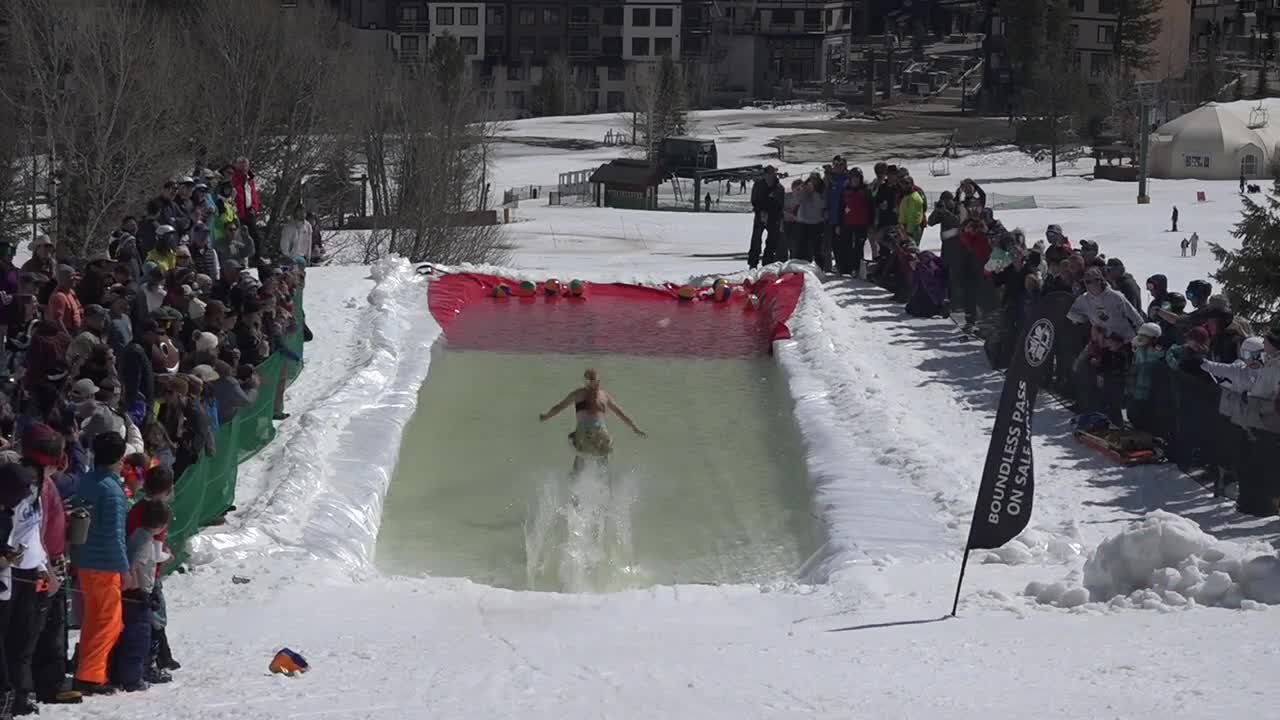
x,y
940,167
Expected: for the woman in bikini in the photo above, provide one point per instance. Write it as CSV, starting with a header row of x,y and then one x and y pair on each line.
x,y
591,437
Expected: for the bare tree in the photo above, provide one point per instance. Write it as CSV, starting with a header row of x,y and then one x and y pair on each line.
x,y
267,87
90,86
426,137
15,193
657,95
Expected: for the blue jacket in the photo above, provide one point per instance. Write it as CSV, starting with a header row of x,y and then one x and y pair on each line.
x,y
835,197
102,493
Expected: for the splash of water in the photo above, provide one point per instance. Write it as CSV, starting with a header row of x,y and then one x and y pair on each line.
x,y
578,533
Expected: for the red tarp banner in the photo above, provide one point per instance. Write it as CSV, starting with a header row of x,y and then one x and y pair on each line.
x,y
613,317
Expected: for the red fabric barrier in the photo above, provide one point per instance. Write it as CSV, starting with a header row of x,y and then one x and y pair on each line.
x,y
613,317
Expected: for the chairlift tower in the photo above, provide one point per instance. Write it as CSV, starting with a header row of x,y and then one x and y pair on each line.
x,y
1146,97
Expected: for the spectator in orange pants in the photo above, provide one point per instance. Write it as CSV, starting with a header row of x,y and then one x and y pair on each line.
x,y
101,560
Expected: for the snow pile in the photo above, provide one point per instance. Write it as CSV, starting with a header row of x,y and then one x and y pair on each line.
x,y
1037,546
1166,560
333,474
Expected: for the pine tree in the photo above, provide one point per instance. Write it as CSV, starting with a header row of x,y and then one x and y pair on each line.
x,y
1054,98
1250,276
670,110
1137,28
551,95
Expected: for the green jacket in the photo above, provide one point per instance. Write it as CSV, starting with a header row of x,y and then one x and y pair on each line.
x,y
911,212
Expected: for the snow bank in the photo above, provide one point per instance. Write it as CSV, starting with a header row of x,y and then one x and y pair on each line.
x,y
335,470
1166,560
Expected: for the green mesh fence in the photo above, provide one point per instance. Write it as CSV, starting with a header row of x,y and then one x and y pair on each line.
x,y
208,488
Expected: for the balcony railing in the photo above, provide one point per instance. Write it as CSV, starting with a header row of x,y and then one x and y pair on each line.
x,y
412,26
586,24
409,57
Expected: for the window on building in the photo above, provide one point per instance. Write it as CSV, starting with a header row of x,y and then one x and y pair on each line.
x,y
409,13
640,46
1076,59
1077,5
495,16
614,100
580,14
550,45
661,46
494,44
1073,33
527,44
1106,34
1099,64
611,46
469,16
528,16
515,72
579,44
551,16
444,16
410,44
515,99
693,45
783,17
1202,161
640,17
812,18
1108,7
1249,165
613,16
664,17
470,45
831,18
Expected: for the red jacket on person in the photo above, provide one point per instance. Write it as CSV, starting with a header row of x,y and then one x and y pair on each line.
x,y
978,244
857,207
246,185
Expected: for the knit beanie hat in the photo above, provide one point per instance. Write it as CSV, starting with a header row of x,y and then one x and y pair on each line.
x,y
1151,330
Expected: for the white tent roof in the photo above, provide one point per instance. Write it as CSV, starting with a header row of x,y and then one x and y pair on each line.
x,y
1224,127
1217,127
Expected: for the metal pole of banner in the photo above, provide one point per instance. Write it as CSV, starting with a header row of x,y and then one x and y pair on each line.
x,y
963,564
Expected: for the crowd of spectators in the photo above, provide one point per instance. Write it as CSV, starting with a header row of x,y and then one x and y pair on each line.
x,y
118,371
1181,370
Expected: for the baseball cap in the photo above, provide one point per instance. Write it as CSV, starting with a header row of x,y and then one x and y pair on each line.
x,y
205,373
83,389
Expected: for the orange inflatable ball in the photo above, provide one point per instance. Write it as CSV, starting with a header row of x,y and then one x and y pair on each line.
x,y
552,287
577,288
501,290
687,292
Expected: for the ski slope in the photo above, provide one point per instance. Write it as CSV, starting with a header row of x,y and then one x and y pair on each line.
x,y
894,413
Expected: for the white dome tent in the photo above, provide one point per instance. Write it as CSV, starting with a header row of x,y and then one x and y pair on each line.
x,y
1217,142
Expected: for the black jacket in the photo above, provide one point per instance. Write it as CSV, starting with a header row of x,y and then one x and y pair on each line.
x,y
768,199
136,374
1129,288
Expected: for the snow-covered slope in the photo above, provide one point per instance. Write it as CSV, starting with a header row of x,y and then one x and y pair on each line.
x,y
895,414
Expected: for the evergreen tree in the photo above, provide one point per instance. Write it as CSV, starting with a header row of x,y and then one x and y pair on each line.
x,y
1250,276
1137,28
670,109
1054,98
659,99
551,94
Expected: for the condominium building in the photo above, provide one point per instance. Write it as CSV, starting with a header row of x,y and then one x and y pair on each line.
x,y
1093,27
740,48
